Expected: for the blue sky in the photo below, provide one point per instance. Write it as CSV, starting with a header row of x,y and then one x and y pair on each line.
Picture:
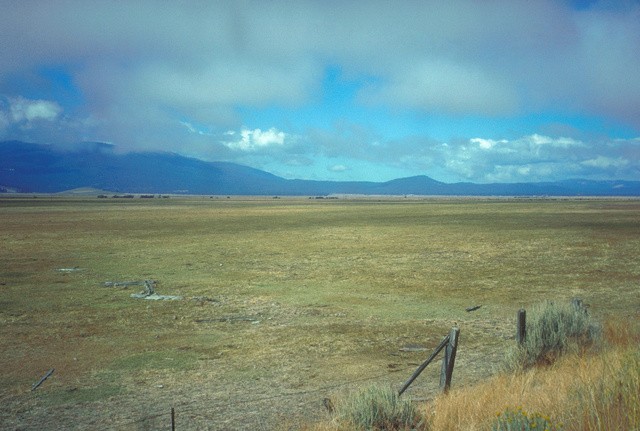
x,y
461,90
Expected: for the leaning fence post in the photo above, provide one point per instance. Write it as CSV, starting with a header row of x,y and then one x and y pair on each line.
x,y
421,368
449,359
42,380
522,327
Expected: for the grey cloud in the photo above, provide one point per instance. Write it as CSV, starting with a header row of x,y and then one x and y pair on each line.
x,y
448,88
144,66
428,54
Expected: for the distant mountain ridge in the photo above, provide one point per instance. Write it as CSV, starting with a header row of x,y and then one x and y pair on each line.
x,y
26,167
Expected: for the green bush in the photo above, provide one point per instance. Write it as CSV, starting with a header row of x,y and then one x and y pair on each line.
x,y
376,408
552,330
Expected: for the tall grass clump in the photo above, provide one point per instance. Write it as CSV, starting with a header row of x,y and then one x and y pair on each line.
x,y
375,408
613,401
552,330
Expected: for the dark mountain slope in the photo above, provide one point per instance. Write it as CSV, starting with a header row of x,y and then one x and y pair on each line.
x,y
46,169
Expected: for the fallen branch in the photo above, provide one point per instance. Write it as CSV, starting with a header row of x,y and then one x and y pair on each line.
x,y
412,349
75,268
155,296
225,319
126,284
148,292
473,308
42,380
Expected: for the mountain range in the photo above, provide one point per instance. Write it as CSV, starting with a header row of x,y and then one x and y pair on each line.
x,y
40,168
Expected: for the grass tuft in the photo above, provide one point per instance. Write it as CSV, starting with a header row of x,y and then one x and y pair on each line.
x,y
613,401
375,408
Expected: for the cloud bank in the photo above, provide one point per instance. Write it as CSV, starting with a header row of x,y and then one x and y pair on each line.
x,y
237,80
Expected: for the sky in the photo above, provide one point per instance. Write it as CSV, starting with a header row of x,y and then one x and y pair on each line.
x,y
366,90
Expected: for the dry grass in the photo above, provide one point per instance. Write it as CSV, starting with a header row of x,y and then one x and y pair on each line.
x,y
337,286
594,391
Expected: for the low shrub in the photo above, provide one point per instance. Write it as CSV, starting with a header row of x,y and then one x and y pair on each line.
x,y
519,419
376,408
552,330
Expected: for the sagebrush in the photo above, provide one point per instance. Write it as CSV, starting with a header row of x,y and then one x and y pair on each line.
x,y
375,408
552,330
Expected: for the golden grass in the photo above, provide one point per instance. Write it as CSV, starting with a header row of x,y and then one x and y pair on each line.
x,y
582,392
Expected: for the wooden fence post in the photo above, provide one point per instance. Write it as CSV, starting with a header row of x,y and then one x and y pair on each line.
x,y
522,327
578,305
173,419
449,359
421,368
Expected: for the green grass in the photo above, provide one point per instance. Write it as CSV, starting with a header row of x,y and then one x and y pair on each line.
x,y
62,396
337,286
170,360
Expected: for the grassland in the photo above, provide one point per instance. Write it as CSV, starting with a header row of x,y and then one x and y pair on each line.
x,y
329,292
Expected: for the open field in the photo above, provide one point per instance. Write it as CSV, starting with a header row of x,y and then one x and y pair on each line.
x,y
325,294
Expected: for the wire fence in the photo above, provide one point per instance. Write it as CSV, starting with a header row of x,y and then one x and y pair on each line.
x,y
220,406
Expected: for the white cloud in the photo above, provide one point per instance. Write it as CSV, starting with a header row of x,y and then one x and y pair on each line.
x,y
35,121
603,162
561,142
254,140
192,129
23,109
529,158
337,168
487,144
